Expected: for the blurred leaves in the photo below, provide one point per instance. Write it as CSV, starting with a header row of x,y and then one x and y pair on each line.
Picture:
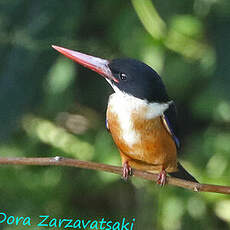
x,y
57,137
184,33
150,18
223,210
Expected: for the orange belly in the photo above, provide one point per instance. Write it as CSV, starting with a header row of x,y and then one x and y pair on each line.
x,y
154,148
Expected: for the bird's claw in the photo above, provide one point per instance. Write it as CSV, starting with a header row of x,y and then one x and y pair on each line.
x,y
127,171
162,177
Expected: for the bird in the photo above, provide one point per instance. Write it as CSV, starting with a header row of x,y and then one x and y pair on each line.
x,y
140,116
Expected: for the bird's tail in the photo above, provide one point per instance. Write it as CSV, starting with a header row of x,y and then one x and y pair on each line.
x,y
183,174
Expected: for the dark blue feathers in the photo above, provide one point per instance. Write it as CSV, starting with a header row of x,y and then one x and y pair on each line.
x,y
170,118
106,124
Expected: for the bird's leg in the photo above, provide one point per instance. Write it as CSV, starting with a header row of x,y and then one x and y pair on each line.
x,y
127,170
162,176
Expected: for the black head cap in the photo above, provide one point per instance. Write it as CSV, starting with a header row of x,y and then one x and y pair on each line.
x,y
138,79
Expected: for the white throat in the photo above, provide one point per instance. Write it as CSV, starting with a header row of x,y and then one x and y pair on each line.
x,y
125,105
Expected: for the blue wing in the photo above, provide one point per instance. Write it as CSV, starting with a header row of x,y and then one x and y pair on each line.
x,y
106,124
170,121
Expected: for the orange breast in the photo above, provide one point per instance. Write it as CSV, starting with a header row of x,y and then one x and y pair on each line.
x,y
153,146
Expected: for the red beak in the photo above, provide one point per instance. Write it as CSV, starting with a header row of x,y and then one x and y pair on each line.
x,y
96,64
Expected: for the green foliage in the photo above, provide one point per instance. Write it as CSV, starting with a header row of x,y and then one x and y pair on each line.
x,y
51,106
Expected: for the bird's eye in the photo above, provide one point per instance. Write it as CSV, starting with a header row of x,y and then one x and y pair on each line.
x,y
123,76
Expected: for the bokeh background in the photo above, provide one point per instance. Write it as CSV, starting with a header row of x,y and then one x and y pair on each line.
x,y
51,106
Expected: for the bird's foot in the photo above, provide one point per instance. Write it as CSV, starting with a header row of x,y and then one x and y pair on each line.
x,y
162,176
127,171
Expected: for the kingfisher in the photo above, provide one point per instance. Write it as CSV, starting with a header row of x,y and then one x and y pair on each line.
x,y
140,116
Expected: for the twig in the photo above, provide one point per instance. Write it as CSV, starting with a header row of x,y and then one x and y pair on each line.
x,y
61,161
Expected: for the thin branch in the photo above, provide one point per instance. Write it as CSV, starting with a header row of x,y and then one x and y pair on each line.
x,y
61,161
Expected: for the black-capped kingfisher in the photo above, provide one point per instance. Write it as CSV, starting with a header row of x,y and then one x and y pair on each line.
x,y
140,115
